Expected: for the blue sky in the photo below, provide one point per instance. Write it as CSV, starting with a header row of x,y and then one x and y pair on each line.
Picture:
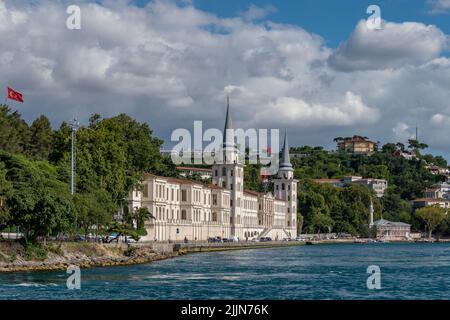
x,y
333,20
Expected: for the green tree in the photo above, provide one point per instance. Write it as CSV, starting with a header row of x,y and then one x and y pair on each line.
x,y
41,138
94,208
112,154
416,146
321,221
14,132
432,216
39,203
139,216
5,192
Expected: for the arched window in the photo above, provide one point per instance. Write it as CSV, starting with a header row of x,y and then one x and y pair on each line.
x,y
214,216
283,186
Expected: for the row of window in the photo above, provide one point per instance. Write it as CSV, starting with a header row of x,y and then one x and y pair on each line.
x,y
283,186
166,214
230,172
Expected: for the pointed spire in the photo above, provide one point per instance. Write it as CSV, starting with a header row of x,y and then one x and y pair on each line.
x,y
228,123
285,162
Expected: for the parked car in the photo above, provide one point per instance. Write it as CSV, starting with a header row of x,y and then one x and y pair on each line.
x,y
112,237
254,240
265,239
298,238
79,238
215,239
129,239
234,239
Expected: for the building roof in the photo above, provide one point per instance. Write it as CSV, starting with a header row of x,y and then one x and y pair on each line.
x,y
251,192
213,186
431,200
183,181
173,180
357,139
194,169
326,180
383,222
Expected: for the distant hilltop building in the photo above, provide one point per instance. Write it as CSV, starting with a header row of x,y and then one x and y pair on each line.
x,y
355,144
408,155
435,170
437,194
186,209
379,186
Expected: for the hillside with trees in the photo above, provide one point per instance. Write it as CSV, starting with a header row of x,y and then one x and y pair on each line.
x,y
346,209
112,154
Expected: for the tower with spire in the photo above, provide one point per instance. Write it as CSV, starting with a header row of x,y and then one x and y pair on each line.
x,y
228,173
286,188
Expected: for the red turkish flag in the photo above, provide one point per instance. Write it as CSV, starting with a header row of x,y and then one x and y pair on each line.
x,y
14,95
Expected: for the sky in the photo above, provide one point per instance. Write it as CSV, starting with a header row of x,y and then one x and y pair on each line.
x,y
312,67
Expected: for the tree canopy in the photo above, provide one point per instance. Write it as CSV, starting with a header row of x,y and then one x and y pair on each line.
x,y
112,155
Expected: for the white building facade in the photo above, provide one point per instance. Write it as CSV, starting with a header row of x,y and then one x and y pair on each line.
x,y
186,209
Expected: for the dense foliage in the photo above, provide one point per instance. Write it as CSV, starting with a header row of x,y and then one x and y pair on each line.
x,y
346,209
433,217
112,154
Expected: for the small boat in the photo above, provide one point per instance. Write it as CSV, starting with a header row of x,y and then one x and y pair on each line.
x,y
309,243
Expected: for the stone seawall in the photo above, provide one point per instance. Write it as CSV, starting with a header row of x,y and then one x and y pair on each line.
x,y
86,255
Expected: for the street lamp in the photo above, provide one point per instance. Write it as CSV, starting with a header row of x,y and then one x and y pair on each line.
x,y
74,125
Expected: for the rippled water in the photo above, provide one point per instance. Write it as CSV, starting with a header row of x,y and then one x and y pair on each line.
x,y
408,271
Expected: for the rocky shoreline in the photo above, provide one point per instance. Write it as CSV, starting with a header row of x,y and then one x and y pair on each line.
x,y
83,255
59,256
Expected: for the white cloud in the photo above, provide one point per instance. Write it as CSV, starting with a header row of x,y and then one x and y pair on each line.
x,y
440,119
170,65
351,110
439,6
395,45
257,13
403,132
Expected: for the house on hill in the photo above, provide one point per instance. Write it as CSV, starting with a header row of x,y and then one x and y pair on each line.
x,y
355,144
